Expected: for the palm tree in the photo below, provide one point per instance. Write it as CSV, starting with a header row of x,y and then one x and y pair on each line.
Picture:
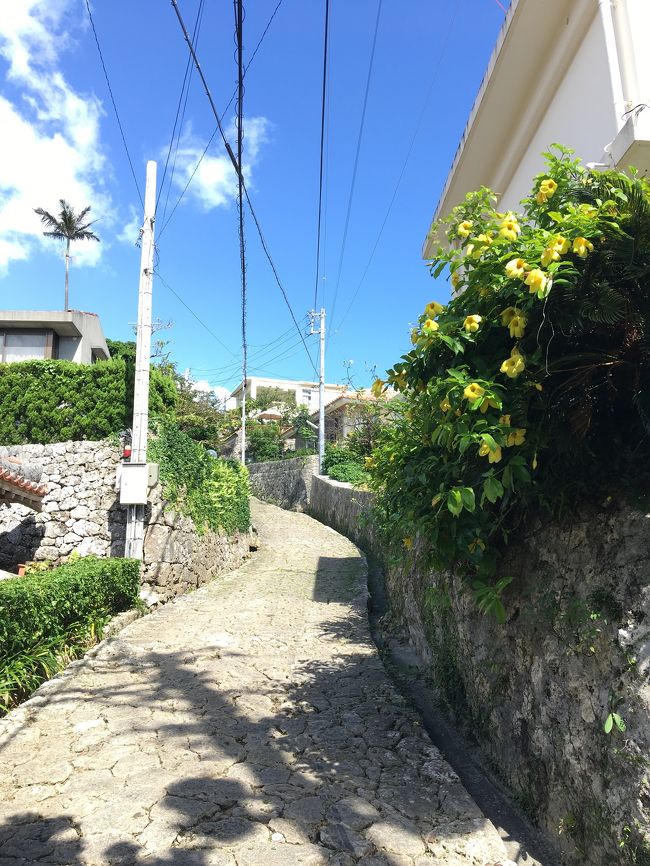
x,y
68,226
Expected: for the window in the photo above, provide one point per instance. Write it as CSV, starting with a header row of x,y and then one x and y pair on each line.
x,y
23,345
306,396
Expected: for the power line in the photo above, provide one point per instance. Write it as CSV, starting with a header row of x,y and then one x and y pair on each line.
x,y
440,57
356,158
191,311
322,145
187,77
117,114
223,114
237,168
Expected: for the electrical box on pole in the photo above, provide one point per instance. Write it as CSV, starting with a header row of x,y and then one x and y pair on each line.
x,y
136,493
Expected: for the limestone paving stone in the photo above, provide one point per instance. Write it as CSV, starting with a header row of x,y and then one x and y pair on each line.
x,y
247,724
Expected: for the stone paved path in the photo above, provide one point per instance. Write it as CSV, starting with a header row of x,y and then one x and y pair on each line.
x,y
250,723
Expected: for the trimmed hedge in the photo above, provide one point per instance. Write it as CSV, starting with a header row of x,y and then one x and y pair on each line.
x,y
59,401
53,606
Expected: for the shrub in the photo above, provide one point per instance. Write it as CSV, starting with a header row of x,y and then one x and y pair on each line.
x,y
531,388
57,401
213,492
352,472
47,617
263,442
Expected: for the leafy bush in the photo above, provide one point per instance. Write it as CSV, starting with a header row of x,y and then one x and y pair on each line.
x,y
352,472
57,401
531,388
47,614
213,492
263,442
341,464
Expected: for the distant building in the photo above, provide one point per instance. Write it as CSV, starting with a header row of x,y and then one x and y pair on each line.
x,y
306,393
575,72
69,335
341,418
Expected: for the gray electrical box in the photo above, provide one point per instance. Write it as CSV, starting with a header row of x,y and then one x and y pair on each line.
x,y
134,483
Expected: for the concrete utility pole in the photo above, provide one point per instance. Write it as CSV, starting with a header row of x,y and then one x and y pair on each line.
x,y
321,383
135,512
243,423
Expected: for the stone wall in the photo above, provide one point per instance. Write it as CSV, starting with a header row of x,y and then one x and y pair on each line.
x,y
286,483
81,512
536,691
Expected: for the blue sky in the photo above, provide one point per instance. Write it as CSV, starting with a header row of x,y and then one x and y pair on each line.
x,y
60,140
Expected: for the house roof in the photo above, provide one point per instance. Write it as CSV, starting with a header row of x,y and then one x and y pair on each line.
x,y
15,486
533,51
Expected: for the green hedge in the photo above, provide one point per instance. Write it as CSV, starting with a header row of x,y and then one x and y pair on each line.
x,y
50,605
213,492
49,618
341,464
58,401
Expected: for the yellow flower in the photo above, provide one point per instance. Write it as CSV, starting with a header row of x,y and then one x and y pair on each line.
x,y
536,280
408,543
513,366
509,228
486,451
487,404
546,189
433,309
517,437
464,228
517,325
582,247
430,327
562,245
455,279
472,323
508,315
415,335
534,463
516,269
550,254
505,420
473,392
368,462
377,387
445,405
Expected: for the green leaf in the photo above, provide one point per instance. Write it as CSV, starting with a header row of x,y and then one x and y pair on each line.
x,y
489,441
468,498
609,723
619,722
492,488
455,502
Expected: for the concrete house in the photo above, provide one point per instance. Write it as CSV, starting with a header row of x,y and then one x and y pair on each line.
x,y
575,72
69,335
306,393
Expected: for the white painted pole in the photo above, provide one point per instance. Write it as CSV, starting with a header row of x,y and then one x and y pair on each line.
x,y
321,394
135,513
243,423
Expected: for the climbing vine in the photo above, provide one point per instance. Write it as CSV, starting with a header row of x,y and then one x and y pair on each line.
x,y
531,388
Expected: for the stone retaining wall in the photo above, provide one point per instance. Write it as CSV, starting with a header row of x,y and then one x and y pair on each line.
x,y
286,483
81,512
536,691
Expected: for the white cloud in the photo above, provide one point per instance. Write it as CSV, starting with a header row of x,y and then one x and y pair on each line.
x,y
206,388
215,181
131,231
50,143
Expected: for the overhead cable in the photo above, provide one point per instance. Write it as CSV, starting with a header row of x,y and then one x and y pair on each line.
x,y
117,114
440,58
223,114
239,172
322,148
356,158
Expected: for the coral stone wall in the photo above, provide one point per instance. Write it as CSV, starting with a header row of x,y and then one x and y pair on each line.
x,y
286,483
81,512
538,690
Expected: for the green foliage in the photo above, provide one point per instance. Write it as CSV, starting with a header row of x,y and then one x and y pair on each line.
x,y
341,464
214,493
263,441
269,396
57,401
531,389
44,613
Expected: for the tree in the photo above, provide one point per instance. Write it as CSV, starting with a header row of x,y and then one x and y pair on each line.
x,y
68,226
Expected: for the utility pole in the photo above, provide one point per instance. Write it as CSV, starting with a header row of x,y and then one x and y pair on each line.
x,y
321,382
135,512
243,422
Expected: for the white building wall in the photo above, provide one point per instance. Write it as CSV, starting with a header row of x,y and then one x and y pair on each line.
x,y
581,115
638,31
